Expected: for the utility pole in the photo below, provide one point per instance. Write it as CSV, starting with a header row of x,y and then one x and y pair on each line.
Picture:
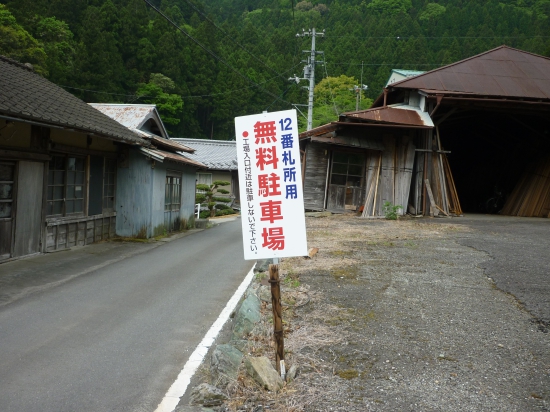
x,y
309,71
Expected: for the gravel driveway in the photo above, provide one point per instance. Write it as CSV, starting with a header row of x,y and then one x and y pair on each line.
x,y
411,315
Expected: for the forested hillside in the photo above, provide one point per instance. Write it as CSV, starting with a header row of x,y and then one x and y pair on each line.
x,y
230,58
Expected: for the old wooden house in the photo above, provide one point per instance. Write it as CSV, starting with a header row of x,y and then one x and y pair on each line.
x,y
450,140
156,185
62,166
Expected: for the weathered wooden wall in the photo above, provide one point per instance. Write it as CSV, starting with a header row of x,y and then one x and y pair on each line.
x,y
28,217
389,175
315,177
66,233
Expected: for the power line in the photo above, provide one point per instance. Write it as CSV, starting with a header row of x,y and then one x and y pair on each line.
x,y
234,41
135,96
386,64
437,37
211,53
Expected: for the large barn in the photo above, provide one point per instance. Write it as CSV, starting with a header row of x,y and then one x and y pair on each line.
x,y
472,136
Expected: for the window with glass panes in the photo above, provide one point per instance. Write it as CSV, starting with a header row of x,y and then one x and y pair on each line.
x,y
66,181
204,179
7,178
109,176
347,169
172,193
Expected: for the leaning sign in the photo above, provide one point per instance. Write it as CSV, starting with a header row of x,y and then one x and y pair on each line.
x,y
270,180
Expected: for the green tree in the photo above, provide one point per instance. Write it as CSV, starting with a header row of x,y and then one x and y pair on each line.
x,y
157,91
209,196
59,46
17,43
336,95
431,12
390,6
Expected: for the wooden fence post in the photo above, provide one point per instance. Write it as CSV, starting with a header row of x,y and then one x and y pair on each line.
x,y
277,318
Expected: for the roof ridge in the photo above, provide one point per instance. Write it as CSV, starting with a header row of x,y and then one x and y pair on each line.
x,y
504,46
26,66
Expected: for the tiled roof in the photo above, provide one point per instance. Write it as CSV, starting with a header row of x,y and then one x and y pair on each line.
x,y
28,96
501,72
216,154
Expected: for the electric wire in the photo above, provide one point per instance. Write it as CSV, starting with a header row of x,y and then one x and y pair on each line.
x,y
233,40
336,110
437,37
212,54
135,97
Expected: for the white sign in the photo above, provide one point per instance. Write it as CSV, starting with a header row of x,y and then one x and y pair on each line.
x,y
270,185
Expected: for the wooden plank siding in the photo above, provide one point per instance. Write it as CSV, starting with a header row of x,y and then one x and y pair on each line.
x,y
29,208
79,231
315,177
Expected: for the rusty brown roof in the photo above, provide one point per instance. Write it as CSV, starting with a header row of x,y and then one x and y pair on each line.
x,y
170,144
391,115
162,155
501,72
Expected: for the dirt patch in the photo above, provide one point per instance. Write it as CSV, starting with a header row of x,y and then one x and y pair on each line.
x,y
397,316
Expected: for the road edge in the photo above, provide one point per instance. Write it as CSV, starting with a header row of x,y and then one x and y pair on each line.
x,y
172,397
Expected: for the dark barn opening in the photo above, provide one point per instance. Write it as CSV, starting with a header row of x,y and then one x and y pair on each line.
x,y
491,150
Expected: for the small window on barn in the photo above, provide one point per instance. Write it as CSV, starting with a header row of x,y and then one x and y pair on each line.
x,y
172,192
347,169
66,185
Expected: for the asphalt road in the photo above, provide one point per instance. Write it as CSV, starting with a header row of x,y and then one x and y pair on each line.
x,y
115,338
518,256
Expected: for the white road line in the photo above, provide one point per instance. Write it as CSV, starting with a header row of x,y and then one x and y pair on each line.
x,y
178,388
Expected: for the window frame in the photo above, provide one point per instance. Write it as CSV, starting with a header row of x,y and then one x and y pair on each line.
x,y
11,182
348,164
199,182
66,186
172,191
107,173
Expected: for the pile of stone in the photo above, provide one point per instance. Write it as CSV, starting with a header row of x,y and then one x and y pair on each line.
x,y
228,360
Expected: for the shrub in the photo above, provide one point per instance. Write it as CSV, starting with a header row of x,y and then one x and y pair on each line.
x,y
390,210
210,196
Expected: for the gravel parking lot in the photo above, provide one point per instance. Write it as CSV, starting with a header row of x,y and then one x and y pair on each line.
x,y
412,315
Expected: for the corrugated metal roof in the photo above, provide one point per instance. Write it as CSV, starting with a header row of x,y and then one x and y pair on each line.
x,y
363,143
397,114
28,96
408,73
170,144
502,72
161,155
215,154
133,116
319,130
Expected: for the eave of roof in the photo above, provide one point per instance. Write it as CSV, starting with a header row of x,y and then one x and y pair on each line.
x,y
500,72
319,130
28,97
161,156
397,115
